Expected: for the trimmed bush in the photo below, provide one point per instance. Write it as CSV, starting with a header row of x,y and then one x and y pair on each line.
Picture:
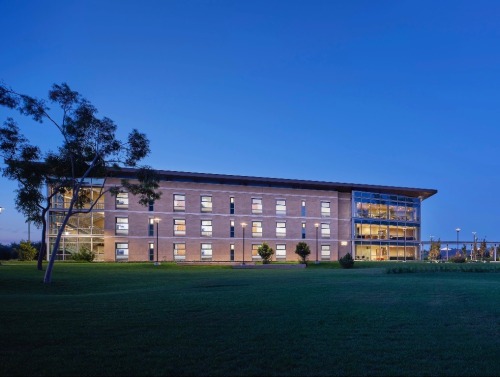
x,y
346,261
84,255
26,251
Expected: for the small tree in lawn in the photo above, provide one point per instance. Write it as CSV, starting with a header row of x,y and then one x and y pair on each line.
x,y
26,251
346,261
265,253
303,251
435,251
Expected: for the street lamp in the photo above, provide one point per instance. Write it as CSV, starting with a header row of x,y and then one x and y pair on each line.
x,y
243,225
157,221
473,248
317,227
458,231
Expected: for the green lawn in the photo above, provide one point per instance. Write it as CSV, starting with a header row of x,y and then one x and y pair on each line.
x,y
140,319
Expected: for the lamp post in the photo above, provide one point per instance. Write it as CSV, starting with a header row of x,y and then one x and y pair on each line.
x,y
458,231
473,248
243,225
157,221
317,227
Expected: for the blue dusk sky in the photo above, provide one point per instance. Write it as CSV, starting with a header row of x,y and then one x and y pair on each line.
x,y
394,93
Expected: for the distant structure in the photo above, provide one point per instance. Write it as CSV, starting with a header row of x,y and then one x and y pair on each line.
x,y
203,217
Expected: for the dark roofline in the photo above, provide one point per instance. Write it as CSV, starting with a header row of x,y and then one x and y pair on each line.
x,y
169,175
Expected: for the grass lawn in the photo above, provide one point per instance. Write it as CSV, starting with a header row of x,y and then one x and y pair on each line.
x,y
145,320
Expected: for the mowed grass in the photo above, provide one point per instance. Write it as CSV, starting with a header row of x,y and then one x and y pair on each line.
x,y
145,320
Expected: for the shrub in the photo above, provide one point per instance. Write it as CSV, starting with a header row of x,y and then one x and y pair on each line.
x,y
26,251
83,255
458,258
265,253
303,251
346,261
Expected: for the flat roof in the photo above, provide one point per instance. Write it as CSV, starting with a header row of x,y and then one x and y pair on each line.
x,y
241,180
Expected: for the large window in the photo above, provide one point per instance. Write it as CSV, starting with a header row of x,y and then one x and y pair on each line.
x,y
179,202
281,251
256,205
121,226
325,230
281,207
121,251
325,209
325,252
179,251
255,251
280,229
206,251
206,228
206,203
121,201
179,227
256,228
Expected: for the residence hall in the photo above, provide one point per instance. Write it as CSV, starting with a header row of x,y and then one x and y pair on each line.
x,y
225,218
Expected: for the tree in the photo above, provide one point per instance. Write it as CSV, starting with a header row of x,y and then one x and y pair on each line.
x,y
346,261
26,251
265,253
435,251
89,149
303,251
483,249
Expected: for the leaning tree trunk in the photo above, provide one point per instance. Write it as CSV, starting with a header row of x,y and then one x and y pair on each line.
x,y
43,245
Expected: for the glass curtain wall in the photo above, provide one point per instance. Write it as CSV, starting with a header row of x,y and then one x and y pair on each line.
x,y
83,230
385,227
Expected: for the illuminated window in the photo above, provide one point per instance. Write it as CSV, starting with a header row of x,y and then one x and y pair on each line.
x,y
303,230
121,225
206,204
255,251
231,205
179,227
281,207
206,228
151,227
121,201
231,228
151,251
325,252
281,251
256,205
121,251
256,228
231,252
325,209
280,229
303,208
179,251
206,251
325,230
179,202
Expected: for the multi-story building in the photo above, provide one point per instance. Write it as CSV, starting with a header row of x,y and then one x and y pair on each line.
x,y
212,217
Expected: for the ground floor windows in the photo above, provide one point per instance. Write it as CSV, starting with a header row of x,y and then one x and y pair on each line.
x,y
280,252
151,251
325,252
255,252
206,251
121,251
231,252
179,251
386,252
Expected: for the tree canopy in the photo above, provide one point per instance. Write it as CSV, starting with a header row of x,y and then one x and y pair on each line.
x,y
89,149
